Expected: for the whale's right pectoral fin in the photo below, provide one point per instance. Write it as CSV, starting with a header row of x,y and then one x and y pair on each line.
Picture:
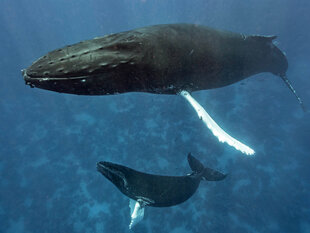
x,y
136,212
215,129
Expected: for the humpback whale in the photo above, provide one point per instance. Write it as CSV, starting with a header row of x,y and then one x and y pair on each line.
x,y
160,59
155,190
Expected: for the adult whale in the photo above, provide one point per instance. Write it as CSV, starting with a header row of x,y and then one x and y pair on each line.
x,y
154,190
160,59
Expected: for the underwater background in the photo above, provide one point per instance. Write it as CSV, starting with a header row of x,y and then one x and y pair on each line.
x,y
50,142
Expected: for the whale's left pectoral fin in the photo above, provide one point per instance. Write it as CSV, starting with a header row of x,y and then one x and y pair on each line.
x,y
136,212
215,129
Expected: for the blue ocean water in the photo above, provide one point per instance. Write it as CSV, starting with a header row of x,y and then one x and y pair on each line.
x,y
50,142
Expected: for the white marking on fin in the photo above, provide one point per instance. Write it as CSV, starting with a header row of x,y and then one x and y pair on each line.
x,y
215,128
136,212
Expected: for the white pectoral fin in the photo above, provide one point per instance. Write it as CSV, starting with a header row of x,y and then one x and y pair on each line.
x,y
136,212
215,128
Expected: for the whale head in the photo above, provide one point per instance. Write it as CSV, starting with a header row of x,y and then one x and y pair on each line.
x,y
91,67
115,173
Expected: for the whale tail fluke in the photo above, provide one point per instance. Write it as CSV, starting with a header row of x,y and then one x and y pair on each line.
x,y
207,173
194,163
213,175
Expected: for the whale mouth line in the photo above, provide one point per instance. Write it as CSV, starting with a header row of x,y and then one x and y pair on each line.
x,y
103,166
106,171
50,82
40,79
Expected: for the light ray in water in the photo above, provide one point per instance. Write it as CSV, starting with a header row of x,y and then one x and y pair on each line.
x,y
215,128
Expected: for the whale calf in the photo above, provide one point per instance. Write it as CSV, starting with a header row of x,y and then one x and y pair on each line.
x,y
155,190
160,59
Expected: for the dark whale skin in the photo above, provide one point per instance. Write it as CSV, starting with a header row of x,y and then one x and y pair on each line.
x,y
160,59
158,190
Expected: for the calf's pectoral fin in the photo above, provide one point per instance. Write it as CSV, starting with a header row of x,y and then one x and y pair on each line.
x,y
136,212
194,163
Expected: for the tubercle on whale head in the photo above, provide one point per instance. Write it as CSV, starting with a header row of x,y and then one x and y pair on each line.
x,y
91,67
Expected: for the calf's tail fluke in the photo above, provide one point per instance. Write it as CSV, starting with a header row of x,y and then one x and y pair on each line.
x,y
288,83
